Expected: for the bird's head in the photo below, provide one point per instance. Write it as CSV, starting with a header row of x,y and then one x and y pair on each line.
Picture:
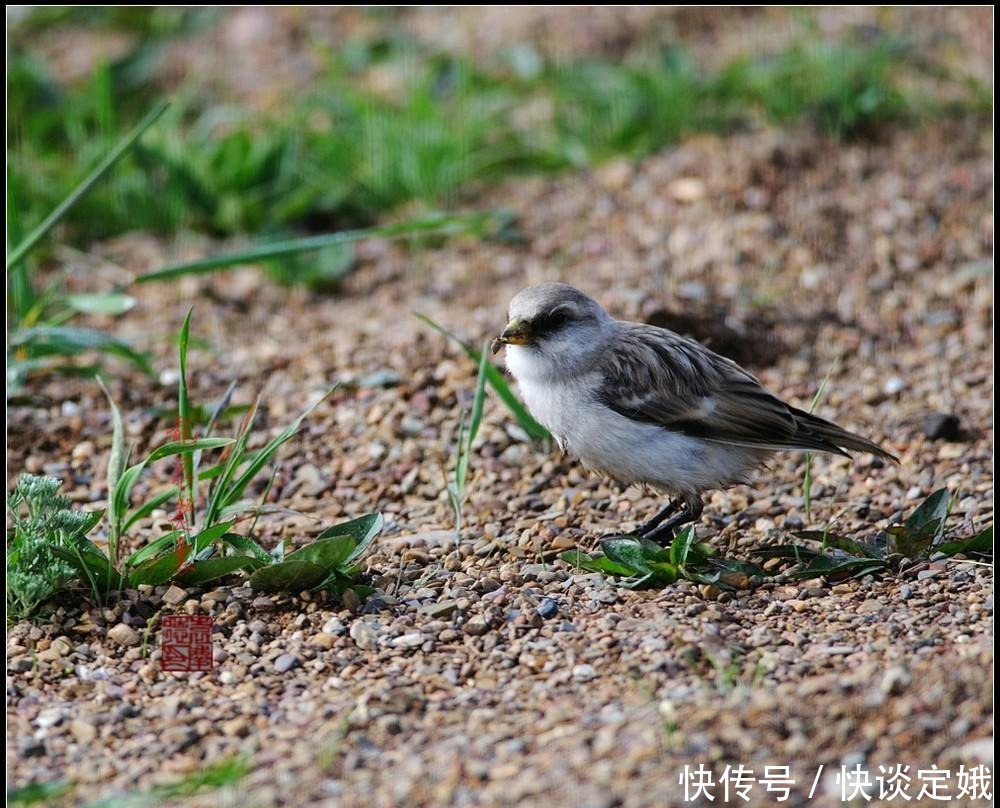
x,y
557,322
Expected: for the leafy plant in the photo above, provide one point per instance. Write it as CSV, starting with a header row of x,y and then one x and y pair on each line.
x,y
330,563
43,523
204,544
919,537
641,563
463,444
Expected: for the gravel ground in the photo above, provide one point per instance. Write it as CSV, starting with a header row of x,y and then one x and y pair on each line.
x,y
490,673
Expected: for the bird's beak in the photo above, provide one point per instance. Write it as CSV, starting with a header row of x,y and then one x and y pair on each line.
x,y
516,333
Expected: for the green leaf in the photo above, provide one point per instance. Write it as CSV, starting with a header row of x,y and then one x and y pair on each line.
x,y
154,548
663,572
735,565
653,551
27,245
187,447
99,303
681,546
832,540
209,535
982,542
793,551
93,568
327,553
116,463
211,568
628,552
931,513
156,571
599,564
288,576
363,529
64,340
248,546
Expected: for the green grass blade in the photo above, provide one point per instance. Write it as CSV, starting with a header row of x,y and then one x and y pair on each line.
x,y
61,340
807,477
499,384
436,225
31,240
184,416
116,465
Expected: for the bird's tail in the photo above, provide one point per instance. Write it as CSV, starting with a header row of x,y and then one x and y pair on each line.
x,y
838,439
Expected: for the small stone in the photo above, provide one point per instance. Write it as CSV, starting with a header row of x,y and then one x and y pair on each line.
x,y
893,385
324,640
21,665
584,673
686,189
547,608
364,635
123,634
83,731
334,626
412,640
476,626
440,609
174,596
286,662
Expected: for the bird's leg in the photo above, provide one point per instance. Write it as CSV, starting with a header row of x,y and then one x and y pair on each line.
x,y
651,524
664,534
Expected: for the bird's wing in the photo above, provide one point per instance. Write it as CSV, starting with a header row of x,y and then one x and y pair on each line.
x,y
655,376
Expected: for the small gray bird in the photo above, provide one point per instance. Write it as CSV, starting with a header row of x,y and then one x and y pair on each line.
x,y
644,405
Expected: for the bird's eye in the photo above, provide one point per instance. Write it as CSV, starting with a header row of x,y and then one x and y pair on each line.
x,y
557,319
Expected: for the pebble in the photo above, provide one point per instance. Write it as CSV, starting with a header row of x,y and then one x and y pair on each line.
x,y
83,731
124,635
412,640
476,626
286,662
547,608
174,596
324,639
584,673
364,636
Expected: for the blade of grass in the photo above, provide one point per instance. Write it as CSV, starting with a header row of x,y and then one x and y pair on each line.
x,y
31,240
807,478
437,225
184,420
116,465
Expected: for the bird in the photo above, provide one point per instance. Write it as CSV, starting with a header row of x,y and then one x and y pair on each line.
x,y
643,405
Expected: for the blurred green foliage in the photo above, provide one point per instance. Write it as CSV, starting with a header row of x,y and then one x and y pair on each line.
x,y
339,154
